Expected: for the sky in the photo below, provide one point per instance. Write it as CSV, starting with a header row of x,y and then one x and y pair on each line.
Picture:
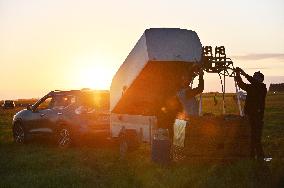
x,y
67,44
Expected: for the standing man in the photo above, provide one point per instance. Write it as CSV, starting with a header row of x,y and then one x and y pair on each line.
x,y
254,108
186,94
183,100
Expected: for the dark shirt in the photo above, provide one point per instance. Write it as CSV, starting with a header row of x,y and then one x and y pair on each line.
x,y
256,93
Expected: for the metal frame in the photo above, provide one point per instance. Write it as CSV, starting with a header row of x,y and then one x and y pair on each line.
x,y
222,65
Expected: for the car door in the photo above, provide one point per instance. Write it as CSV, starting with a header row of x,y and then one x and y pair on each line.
x,y
41,116
58,110
102,123
96,114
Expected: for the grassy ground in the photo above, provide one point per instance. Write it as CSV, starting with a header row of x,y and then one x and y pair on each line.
x,y
44,165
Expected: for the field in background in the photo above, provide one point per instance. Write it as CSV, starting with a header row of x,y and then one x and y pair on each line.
x,y
44,165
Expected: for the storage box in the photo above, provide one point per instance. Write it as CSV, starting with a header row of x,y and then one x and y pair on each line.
x,y
153,70
150,74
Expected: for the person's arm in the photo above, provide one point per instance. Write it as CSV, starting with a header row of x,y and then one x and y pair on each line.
x,y
198,89
239,80
248,77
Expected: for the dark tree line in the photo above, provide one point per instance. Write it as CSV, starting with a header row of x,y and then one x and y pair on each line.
x,y
276,87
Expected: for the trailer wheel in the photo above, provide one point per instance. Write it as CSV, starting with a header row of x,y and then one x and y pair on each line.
x,y
128,141
123,148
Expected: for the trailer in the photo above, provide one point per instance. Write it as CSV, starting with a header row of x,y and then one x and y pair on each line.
x,y
149,75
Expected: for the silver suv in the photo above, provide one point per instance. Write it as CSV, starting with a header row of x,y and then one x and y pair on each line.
x,y
66,116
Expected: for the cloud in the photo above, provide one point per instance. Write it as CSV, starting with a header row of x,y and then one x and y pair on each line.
x,y
257,68
260,56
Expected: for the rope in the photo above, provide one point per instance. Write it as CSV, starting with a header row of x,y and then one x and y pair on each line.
x,y
200,105
223,91
238,99
224,67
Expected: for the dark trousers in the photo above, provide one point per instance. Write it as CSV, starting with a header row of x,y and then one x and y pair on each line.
x,y
256,124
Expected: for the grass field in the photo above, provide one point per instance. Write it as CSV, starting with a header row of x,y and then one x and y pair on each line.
x,y
44,165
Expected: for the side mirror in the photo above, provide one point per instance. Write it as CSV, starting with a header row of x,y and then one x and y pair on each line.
x,y
29,107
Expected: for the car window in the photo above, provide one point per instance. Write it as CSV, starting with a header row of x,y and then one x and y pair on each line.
x,y
44,104
8,102
95,101
60,102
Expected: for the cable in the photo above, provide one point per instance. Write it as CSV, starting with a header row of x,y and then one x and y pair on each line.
x,y
223,66
238,99
223,92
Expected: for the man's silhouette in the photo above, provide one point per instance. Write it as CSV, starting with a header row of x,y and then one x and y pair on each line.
x,y
186,94
254,108
180,102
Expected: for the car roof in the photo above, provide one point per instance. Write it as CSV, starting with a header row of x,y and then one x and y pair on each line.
x,y
8,101
78,92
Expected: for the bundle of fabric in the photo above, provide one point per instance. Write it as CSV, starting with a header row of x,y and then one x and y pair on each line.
x,y
217,137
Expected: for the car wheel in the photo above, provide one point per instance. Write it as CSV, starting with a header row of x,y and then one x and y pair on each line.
x,y
64,137
19,133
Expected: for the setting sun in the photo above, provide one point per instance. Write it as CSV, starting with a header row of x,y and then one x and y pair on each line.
x,y
93,77
91,72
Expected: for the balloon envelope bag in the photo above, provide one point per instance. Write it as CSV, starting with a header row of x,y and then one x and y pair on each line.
x,y
224,137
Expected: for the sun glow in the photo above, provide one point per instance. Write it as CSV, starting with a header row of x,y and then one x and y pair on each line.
x,y
94,77
92,72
